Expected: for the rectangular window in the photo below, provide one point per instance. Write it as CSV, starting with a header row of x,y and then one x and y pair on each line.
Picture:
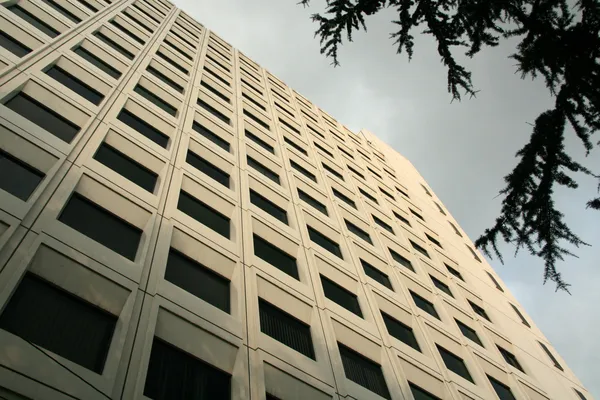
x,y
126,167
358,232
290,127
510,358
251,100
43,117
101,225
454,363
323,149
400,331
469,332
416,214
168,81
214,60
420,393
207,168
368,196
376,275
402,192
475,256
342,149
332,171
285,328
18,178
218,114
175,374
479,311
177,49
581,396
441,286
117,47
216,76
257,120
268,206
434,240
13,45
303,170
503,391
33,20
282,108
75,84
374,172
295,146
313,202
426,190
143,128
383,224
134,19
455,229
363,371
323,241
259,142
215,92
244,81
424,305
419,248
355,172
43,314
154,99
262,169
126,31
97,62
276,257
344,198
216,139
316,132
440,208
341,296
454,272
204,214
278,95
198,280
388,194
551,356
173,63
61,10
147,14
401,260
495,282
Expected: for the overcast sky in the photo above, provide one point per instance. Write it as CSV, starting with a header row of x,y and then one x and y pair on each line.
x,y
463,150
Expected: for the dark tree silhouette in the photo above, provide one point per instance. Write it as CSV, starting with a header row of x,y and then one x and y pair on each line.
x,y
560,43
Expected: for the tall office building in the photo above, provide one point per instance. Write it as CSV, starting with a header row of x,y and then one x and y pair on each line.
x,y
177,223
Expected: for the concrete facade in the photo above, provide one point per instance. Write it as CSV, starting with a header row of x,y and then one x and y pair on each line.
x,y
248,113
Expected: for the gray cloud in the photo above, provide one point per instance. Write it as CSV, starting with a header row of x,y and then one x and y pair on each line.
x,y
462,149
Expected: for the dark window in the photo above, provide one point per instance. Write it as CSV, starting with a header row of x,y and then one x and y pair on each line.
x,y
341,296
454,363
388,194
324,242
390,173
137,21
454,272
125,166
419,248
127,31
416,214
295,146
171,83
204,214
152,17
401,260
376,174
18,178
97,62
501,389
424,305
420,393
214,111
363,371
120,49
510,358
290,127
215,61
440,208
215,91
313,202
376,274
268,206
426,190
383,224
88,6
256,103
172,62
216,139
324,150
475,256
468,332
217,76
13,45
434,241
44,117
303,170
344,198
271,397
251,86
581,396
262,169
441,285
256,119
353,170
358,232
286,329
402,192
551,356
316,131
156,100
400,331
58,321
332,171
175,374
276,257
401,218
143,127
177,49
209,169
455,229
33,20
368,196
75,84
479,311
279,95
260,142
342,149
198,280
497,285
282,108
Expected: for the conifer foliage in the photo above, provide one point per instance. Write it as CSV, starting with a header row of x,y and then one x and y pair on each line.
x,y
559,43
